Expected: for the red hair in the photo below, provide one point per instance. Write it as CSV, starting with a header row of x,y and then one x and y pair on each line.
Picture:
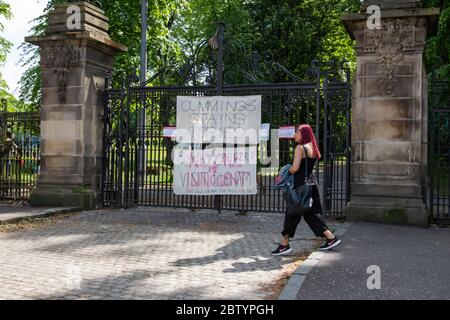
x,y
308,136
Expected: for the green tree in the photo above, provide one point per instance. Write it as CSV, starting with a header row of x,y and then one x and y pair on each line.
x,y
437,55
296,32
124,18
5,46
287,33
264,36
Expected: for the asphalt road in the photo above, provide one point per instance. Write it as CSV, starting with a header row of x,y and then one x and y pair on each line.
x,y
414,263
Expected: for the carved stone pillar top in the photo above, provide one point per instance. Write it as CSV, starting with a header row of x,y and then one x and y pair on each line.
x,y
404,28
92,25
402,9
391,4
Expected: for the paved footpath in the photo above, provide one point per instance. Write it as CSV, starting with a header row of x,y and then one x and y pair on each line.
x,y
146,253
15,213
414,263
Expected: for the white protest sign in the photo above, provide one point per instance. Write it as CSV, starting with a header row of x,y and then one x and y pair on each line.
x,y
218,119
217,171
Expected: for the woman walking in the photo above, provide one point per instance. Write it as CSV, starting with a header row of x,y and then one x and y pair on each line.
x,y
305,156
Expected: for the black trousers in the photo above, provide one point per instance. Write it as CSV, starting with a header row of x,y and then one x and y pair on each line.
x,y
313,218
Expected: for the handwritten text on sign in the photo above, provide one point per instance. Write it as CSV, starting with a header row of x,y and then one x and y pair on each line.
x,y
218,119
215,171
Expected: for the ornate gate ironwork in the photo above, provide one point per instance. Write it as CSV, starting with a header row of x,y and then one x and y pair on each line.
x,y
138,168
439,151
336,145
282,104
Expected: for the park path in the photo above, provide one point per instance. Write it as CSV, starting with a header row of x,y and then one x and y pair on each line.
x,y
147,253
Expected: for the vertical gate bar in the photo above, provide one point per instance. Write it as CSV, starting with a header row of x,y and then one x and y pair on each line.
x,y
348,137
430,157
447,168
150,191
27,175
336,151
318,105
20,157
8,167
131,167
136,168
2,165
28,159
437,166
189,200
269,149
122,140
161,156
112,151
16,176
325,142
17,172
342,184
114,141
139,154
332,151
117,154
28,172
167,188
438,148
2,160
158,149
127,149
105,164
143,155
18,185
143,200
11,175
14,166
219,89
118,157
13,162
26,163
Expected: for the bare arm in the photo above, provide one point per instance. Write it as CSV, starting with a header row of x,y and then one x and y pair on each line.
x,y
298,155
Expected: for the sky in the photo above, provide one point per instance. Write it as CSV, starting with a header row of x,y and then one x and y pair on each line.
x,y
15,31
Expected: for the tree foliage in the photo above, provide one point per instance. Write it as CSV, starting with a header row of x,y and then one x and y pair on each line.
x,y
263,39
5,46
437,56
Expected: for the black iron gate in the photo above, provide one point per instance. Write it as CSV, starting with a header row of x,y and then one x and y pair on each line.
x,y
19,154
336,145
439,151
138,165
124,184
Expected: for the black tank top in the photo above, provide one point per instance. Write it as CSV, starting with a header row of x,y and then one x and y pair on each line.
x,y
299,177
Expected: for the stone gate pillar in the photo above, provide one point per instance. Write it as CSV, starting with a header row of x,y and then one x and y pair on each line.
x,y
75,64
389,117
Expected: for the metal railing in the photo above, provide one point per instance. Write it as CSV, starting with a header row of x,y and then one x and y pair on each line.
x,y
282,104
19,154
439,152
